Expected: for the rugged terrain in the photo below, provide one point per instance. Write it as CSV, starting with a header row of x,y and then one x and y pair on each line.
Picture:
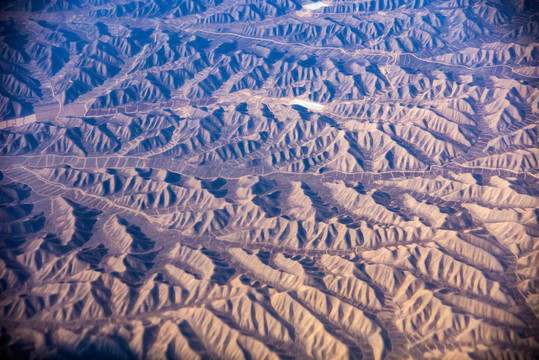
x,y
161,196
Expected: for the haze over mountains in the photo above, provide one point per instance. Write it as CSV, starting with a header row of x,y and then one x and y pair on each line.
x,y
161,196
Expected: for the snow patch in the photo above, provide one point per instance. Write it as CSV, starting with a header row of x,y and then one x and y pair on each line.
x,y
307,104
315,6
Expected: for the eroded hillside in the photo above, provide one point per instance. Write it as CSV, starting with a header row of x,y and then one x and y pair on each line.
x,y
161,196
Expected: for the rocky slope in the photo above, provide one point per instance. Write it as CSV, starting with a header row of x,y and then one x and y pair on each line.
x,y
161,196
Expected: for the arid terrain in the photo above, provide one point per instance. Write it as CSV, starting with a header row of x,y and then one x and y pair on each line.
x,y
269,179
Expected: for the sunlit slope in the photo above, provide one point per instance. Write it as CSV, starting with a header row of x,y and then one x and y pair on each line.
x,y
169,198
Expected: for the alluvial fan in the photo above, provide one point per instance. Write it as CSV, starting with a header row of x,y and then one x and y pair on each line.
x,y
269,179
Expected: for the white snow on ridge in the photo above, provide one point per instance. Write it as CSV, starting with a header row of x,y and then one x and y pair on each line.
x,y
315,6
307,104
